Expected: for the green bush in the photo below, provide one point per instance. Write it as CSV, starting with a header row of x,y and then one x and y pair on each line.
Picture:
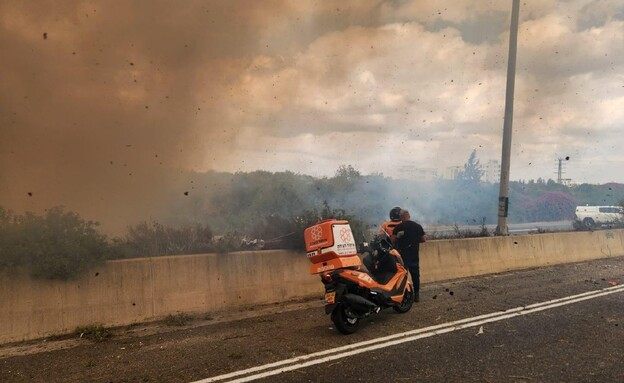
x,y
95,332
57,245
154,239
179,319
278,232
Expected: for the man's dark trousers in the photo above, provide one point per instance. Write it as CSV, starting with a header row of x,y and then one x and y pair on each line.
x,y
412,263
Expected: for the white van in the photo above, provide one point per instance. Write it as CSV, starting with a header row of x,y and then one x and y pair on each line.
x,y
592,216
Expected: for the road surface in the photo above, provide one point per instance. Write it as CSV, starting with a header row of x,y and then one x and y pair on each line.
x,y
514,228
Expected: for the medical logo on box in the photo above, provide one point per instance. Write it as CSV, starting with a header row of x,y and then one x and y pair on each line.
x,y
329,239
316,238
344,244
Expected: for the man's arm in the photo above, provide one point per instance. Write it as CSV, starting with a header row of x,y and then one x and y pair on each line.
x,y
393,237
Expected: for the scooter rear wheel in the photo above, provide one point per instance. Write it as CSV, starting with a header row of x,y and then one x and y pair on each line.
x,y
344,323
406,303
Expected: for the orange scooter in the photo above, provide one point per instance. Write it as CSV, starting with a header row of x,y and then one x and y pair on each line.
x,y
352,293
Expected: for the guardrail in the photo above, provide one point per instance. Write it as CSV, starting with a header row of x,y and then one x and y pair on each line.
x,y
124,292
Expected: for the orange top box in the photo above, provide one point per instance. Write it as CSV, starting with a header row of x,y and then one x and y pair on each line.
x,y
330,245
329,239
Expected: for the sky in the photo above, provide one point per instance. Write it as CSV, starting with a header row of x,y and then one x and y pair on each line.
x,y
103,104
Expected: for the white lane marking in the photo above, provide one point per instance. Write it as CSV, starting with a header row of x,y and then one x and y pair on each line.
x,y
408,336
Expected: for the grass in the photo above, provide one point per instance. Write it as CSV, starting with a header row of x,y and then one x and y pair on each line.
x,y
96,333
179,319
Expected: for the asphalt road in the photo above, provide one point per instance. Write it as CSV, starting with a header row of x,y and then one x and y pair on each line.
x,y
557,324
514,228
581,342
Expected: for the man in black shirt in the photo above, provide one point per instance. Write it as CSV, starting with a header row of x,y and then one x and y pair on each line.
x,y
406,238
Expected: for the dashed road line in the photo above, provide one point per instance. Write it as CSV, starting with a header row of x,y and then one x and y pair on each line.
x,y
307,360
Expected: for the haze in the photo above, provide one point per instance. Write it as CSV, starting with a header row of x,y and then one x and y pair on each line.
x,y
105,105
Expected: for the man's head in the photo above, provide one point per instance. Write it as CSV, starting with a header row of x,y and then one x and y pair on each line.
x,y
405,215
395,214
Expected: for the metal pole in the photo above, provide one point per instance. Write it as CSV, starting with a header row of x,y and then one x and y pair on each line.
x,y
503,197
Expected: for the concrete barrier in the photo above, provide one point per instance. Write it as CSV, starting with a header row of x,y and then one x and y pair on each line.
x,y
457,258
130,291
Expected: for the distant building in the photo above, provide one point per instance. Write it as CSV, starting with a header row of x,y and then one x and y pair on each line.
x,y
567,182
451,172
411,172
491,171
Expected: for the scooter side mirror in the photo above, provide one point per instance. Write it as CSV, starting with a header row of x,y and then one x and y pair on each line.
x,y
385,244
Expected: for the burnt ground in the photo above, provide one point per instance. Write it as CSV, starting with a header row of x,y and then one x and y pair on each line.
x,y
185,349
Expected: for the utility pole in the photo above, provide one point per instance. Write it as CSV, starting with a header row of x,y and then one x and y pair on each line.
x,y
560,171
503,197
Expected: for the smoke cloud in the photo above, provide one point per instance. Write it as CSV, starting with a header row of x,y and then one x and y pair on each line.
x,y
106,107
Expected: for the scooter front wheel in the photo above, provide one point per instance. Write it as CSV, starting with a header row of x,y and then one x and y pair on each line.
x,y
344,323
406,303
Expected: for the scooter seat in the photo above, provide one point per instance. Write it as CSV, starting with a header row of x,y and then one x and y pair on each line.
x,y
382,270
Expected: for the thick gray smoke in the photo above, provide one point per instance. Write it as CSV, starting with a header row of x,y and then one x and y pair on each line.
x,y
105,107
101,104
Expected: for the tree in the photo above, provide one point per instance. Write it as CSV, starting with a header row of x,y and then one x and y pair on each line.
x,y
552,206
154,239
472,172
58,245
348,172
